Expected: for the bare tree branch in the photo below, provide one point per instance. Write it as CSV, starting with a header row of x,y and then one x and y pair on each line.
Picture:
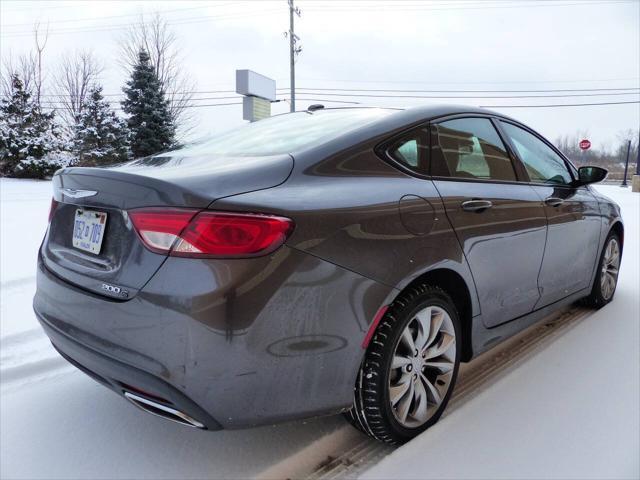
x,y
41,42
76,74
24,66
154,36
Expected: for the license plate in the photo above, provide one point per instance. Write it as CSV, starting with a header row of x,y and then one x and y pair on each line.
x,y
88,230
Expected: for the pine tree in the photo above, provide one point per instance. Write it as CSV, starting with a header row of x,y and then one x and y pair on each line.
x,y
31,143
150,123
100,136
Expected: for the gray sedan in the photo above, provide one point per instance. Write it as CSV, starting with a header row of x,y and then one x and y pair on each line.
x,y
323,261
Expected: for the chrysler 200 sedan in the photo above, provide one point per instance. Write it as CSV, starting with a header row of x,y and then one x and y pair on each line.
x,y
323,261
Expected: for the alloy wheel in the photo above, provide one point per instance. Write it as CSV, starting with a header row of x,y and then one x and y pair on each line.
x,y
610,267
422,366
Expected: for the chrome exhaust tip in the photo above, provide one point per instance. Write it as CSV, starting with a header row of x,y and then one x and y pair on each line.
x,y
160,410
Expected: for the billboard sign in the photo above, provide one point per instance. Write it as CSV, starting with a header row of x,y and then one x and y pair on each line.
x,y
255,108
253,84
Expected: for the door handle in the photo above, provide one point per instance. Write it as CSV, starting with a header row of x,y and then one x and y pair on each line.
x,y
476,205
554,201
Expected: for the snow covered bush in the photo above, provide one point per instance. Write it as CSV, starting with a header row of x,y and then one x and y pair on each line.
x,y
100,136
30,141
46,166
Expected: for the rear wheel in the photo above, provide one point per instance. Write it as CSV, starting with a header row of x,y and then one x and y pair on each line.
x,y
410,367
606,280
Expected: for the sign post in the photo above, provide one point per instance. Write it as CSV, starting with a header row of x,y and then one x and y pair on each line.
x,y
635,180
626,165
584,146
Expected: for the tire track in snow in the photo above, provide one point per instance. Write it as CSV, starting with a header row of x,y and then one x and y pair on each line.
x,y
18,282
27,355
347,453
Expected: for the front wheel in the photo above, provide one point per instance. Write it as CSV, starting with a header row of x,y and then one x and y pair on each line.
x,y
410,367
606,279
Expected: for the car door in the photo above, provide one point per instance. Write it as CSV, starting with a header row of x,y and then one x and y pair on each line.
x,y
499,221
572,212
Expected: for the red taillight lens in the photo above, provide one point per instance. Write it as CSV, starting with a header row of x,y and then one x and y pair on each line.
x,y
160,228
52,208
186,233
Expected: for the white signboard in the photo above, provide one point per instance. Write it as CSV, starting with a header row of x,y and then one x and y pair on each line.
x,y
253,84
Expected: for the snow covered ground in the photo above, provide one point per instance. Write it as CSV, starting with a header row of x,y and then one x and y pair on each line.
x,y
570,411
566,408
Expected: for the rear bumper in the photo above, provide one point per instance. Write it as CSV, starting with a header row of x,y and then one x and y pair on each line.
x,y
230,343
123,378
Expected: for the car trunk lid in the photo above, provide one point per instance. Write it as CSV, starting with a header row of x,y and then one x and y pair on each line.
x,y
123,265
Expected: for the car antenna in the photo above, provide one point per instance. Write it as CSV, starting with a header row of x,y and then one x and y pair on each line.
x,y
314,107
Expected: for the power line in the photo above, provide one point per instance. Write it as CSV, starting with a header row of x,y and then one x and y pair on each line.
x,y
360,8
342,100
325,8
183,21
493,82
57,105
468,91
138,15
184,92
558,105
323,91
471,96
59,6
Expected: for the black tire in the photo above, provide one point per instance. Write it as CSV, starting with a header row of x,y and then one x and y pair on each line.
x,y
597,298
372,412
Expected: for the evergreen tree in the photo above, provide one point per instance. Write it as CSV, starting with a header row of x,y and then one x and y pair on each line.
x,y
150,124
31,143
100,136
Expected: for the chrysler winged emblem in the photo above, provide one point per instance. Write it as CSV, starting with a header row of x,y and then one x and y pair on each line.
x,y
70,192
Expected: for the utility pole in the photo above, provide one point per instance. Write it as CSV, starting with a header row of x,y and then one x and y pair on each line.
x,y
293,52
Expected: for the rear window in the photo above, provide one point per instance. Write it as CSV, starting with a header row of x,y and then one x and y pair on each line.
x,y
286,133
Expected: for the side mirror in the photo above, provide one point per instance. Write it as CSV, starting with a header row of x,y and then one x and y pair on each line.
x,y
588,175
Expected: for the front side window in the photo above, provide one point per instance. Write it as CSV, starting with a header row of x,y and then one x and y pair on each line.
x,y
470,148
542,163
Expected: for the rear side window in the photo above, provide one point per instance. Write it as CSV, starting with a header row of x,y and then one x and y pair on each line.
x,y
470,148
406,152
411,149
542,163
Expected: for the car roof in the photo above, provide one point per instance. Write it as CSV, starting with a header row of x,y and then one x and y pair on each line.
x,y
398,120
405,116
425,112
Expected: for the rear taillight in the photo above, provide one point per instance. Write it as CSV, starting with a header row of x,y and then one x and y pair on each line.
x,y
52,208
187,233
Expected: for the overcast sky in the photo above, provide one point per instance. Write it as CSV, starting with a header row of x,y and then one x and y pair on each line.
x,y
402,45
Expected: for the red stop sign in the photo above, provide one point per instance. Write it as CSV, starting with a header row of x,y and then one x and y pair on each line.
x,y
585,144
